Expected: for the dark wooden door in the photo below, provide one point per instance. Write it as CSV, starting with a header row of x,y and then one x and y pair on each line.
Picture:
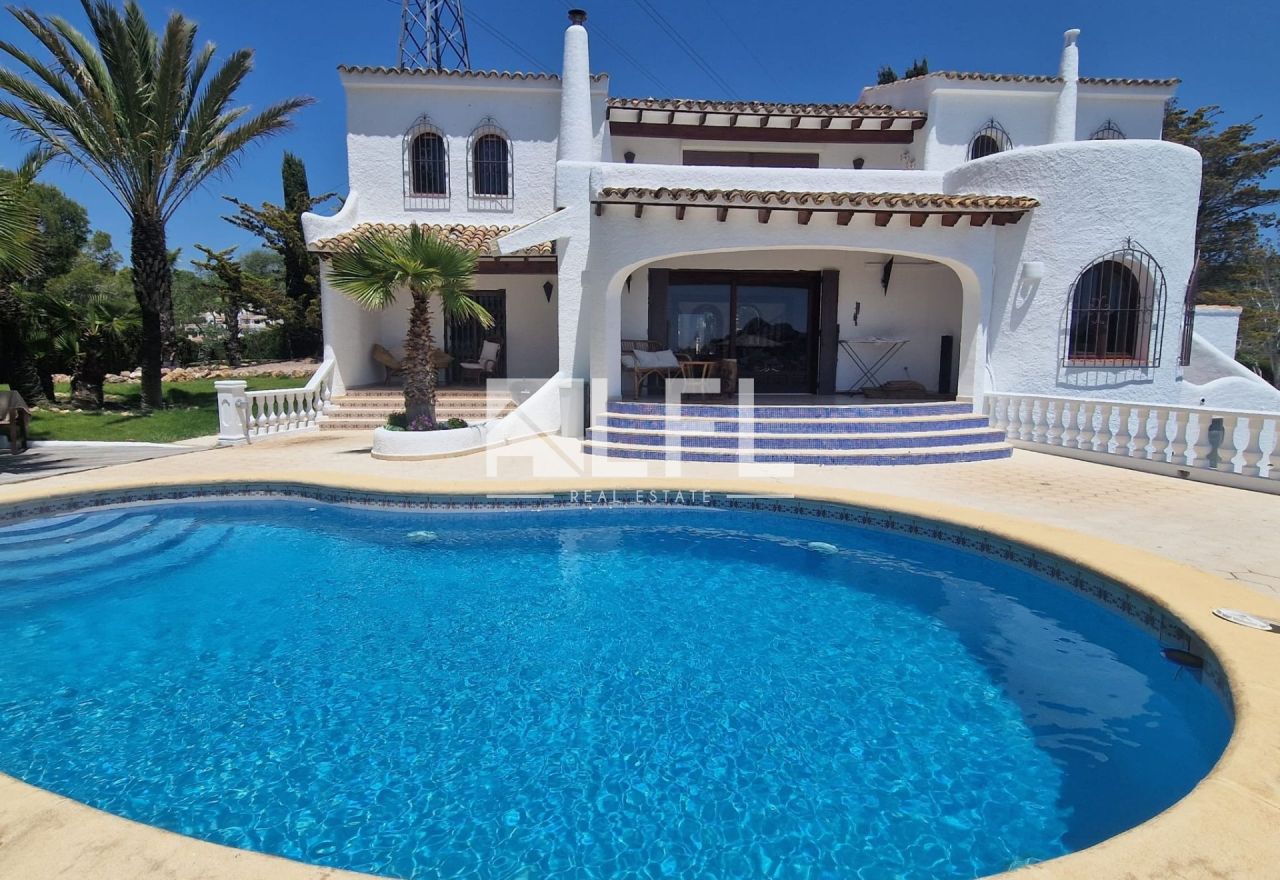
x,y
463,338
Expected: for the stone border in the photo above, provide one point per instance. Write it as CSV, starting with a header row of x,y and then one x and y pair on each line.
x,y
1224,827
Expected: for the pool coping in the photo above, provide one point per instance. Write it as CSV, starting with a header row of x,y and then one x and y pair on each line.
x,y
1223,828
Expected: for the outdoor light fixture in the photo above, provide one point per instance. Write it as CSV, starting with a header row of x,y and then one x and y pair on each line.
x,y
1033,271
546,288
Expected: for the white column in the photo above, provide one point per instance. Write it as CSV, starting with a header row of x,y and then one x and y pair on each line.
x,y
576,141
233,410
1064,112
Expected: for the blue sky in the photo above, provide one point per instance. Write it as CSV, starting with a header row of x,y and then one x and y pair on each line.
x,y
816,51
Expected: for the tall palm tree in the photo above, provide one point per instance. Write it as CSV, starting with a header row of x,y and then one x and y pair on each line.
x,y
380,264
137,113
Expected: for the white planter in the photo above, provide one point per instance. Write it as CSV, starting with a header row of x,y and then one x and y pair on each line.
x,y
419,445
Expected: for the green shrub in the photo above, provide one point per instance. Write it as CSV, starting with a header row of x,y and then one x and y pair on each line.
x,y
456,423
398,421
263,345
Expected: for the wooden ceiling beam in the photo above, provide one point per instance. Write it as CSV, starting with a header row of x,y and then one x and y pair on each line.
x,y
639,209
949,220
803,217
762,214
979,219
599,208
918,219
843,217
883,217
680,211
722,212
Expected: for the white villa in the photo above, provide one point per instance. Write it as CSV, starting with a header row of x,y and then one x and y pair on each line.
x,y
975,234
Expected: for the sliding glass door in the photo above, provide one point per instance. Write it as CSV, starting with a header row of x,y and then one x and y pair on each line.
x,y
767,321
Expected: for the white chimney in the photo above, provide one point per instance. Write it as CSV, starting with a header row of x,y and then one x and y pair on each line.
x,y
575,144
1064,113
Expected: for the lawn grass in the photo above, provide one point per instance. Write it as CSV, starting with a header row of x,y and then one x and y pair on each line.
x,y
191,411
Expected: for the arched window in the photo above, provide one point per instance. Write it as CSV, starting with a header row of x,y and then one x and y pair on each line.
x,y
1116,313
1108,131
428,165
490,156
989,140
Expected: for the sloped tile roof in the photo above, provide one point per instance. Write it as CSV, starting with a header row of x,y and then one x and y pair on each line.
x,y
761,108
458,74
883,201
1035,78
476,238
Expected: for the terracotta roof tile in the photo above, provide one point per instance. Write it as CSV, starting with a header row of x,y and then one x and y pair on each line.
x,y
886,201
1034,78
458,74
761,108
476,238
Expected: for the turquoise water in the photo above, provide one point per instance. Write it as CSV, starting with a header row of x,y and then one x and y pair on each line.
x,y
659,692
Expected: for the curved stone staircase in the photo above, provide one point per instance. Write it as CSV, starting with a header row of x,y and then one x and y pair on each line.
x,y
832,434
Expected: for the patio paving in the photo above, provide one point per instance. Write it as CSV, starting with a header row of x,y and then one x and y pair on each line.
x,y
1227,532
40,462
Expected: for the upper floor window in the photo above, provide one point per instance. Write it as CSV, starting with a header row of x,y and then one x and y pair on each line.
x,y
426,166
491,165
989,140
1108,131
1116,313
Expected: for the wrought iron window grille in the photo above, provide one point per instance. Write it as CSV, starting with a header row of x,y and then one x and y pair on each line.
x,y
491,167
1108,131
426,166
989,140
1115,313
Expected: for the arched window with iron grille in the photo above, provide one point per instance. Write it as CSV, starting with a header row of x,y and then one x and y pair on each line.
x,y
1108,131
989,140
1116,313
426,166
491,164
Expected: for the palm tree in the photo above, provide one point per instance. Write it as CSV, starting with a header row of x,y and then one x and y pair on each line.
x,y
137,113
380,264
89,340
19,259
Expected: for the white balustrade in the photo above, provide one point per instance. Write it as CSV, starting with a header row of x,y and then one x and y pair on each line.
x,y
247,415
1181,436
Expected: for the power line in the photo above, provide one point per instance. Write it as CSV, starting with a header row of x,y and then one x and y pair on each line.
x,y
501,38
733,32
630,59
684,45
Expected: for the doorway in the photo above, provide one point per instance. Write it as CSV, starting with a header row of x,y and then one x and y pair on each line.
x,y
767,321
464,337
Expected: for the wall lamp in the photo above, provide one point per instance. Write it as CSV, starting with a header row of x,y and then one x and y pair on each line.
x,y
547,288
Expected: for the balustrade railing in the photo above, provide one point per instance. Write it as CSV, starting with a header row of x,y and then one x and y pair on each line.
x,y
1183,438
247,415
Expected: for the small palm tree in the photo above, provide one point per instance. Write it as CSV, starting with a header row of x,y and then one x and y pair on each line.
x,y
382,263
19,259
89,340
137,113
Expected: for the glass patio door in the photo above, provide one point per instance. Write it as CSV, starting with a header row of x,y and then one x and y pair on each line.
x,y
767,321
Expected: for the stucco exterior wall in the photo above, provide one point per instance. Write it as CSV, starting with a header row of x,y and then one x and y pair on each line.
x,y
1095,195
380,109
1219,326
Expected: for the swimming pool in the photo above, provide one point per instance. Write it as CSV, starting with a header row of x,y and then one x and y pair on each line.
x,y
678,691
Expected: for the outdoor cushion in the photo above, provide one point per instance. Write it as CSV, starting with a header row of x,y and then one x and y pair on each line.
x,y
489,351
656,359
628,361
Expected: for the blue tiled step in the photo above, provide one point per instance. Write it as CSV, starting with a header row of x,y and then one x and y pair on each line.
x,y
791,411
880,457
733,425
760,441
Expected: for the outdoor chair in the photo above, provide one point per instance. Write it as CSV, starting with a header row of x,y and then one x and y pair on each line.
x,y
646,363
15,418
393,367
485,365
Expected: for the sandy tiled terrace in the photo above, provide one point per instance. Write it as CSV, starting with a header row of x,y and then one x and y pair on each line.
x,y
1191,546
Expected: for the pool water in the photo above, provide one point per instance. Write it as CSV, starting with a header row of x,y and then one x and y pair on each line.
x,y
581,693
